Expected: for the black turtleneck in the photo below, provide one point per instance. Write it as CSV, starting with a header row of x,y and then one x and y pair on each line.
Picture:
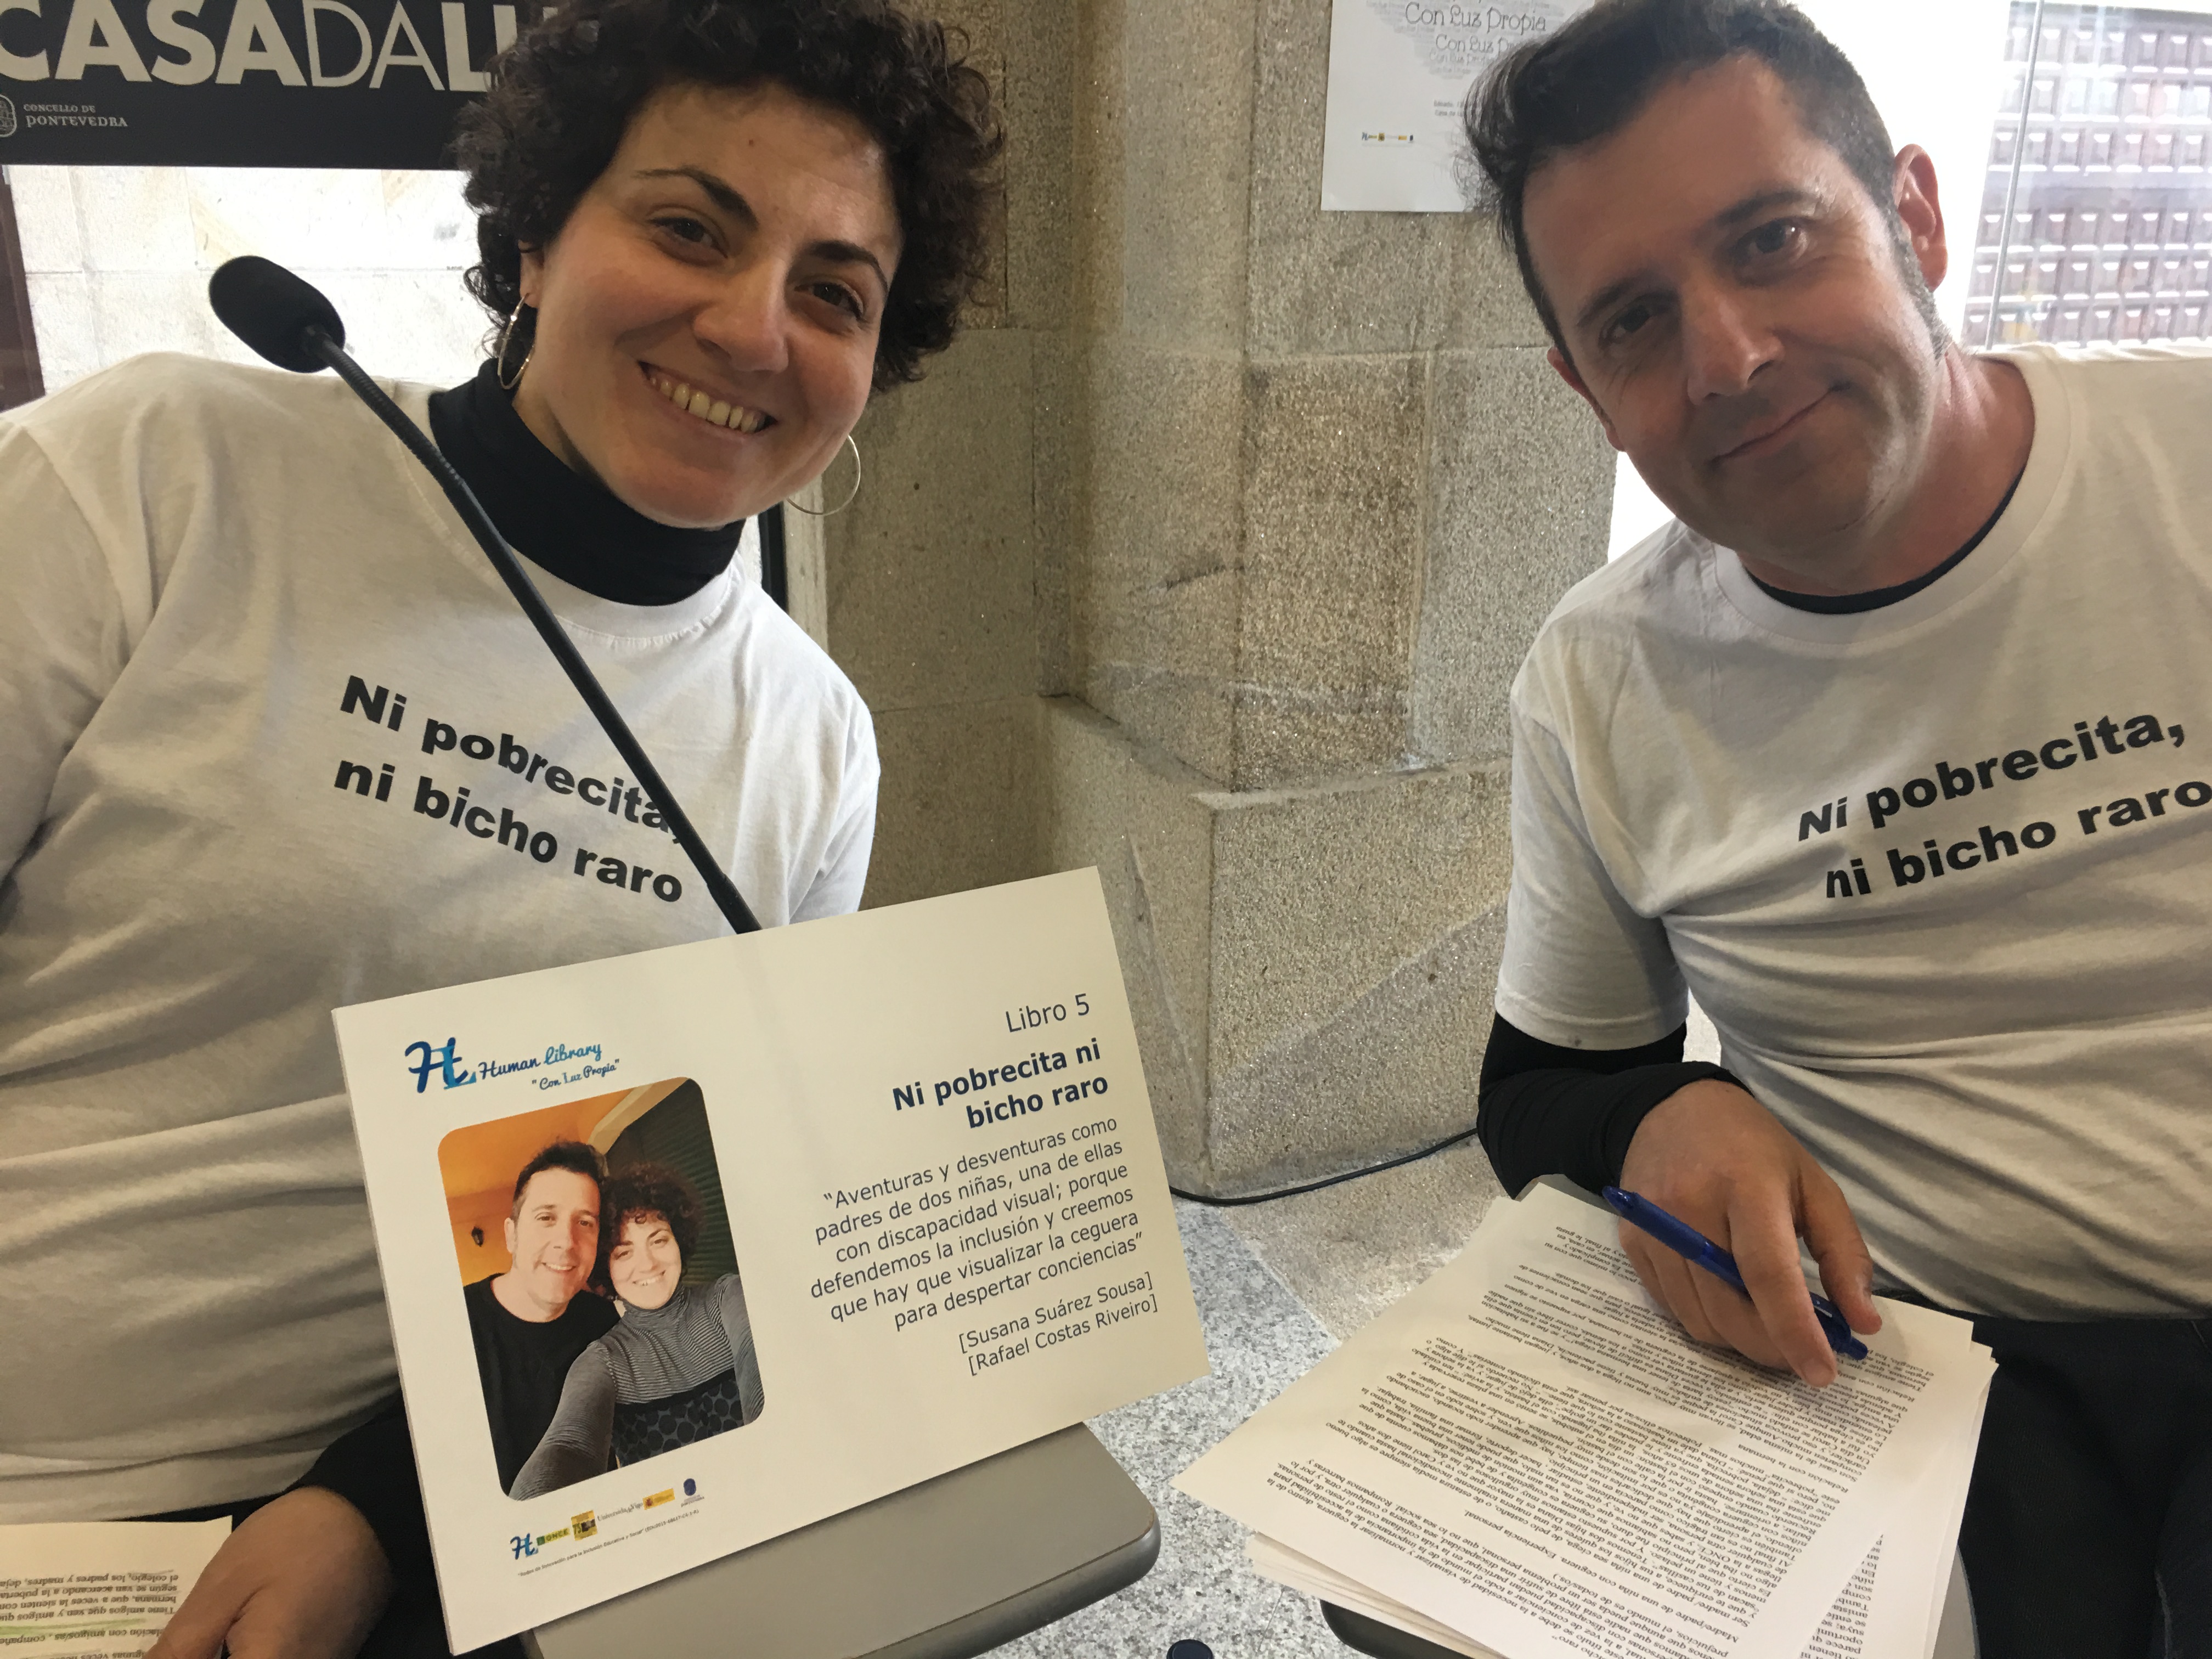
x,y
560,520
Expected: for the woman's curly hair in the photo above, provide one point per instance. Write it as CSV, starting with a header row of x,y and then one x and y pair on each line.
x,y
565,93
640,1191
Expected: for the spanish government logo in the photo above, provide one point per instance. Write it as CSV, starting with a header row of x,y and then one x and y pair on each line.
x,y
7,118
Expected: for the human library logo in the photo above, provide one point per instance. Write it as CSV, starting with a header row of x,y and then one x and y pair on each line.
x,y
579,1526
561,1064
446,1061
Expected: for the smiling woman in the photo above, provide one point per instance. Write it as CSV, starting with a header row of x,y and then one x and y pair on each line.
x,y
710,230
678,1368
706,322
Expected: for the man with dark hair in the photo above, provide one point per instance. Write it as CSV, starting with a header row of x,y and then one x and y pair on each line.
x,y
529,1322
1880,748
1562,95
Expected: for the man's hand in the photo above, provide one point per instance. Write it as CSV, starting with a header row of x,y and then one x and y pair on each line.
x,y
303,1578
1711,1156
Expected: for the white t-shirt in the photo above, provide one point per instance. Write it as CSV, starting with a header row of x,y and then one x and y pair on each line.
x,y
2005,1058
246,651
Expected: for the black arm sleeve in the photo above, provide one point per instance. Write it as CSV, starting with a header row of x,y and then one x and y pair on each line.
x,y
372,1468
1548,1110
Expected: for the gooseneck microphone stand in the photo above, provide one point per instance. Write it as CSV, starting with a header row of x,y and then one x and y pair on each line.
x,y
289,322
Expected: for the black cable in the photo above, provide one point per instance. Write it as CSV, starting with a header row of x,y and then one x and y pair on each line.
x,y
775,568
724,891
1326,1180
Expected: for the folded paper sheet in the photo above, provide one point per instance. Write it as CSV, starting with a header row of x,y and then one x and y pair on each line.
x,y
1523,1454
932,1224
1891,1606
97,1589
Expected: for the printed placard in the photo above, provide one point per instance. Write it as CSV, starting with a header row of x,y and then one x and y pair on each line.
x,y
1399,72
689,1248
376,84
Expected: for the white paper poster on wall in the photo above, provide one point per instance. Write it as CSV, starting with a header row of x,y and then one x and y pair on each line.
x,y
1398,73
920,1197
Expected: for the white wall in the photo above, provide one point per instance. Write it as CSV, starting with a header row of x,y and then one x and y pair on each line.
x,y
1933,68
117,260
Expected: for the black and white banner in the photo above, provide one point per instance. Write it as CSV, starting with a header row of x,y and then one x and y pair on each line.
x,y
348,83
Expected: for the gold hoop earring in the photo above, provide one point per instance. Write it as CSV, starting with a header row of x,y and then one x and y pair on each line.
x,y
812,512
499,356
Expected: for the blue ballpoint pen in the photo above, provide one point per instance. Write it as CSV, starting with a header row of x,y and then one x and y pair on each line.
x,y
1689,1243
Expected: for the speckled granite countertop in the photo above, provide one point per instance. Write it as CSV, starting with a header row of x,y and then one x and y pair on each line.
x,y
1278,1285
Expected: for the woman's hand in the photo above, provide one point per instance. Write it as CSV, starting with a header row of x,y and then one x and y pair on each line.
x,y
1711,1156
303,1578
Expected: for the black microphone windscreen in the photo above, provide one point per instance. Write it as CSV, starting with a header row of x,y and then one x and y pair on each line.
x,y
271,310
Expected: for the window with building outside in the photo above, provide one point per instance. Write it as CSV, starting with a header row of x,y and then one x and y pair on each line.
x,y
115,261
2096,211
2073,152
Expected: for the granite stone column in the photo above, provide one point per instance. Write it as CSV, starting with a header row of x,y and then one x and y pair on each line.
x,y
1207,558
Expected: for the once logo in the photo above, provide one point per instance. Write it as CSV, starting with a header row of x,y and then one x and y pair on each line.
x,y
7,118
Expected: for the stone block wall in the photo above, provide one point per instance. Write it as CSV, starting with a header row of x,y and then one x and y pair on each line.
x,y
941,598
1207,557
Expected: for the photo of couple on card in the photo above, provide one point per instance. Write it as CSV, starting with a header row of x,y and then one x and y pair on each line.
x,y
601,1282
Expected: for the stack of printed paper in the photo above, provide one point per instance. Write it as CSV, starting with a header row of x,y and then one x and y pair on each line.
x,y
99,1589
1524,1459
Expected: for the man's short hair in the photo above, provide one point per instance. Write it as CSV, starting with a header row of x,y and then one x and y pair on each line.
x,y
571,1155
1588,80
